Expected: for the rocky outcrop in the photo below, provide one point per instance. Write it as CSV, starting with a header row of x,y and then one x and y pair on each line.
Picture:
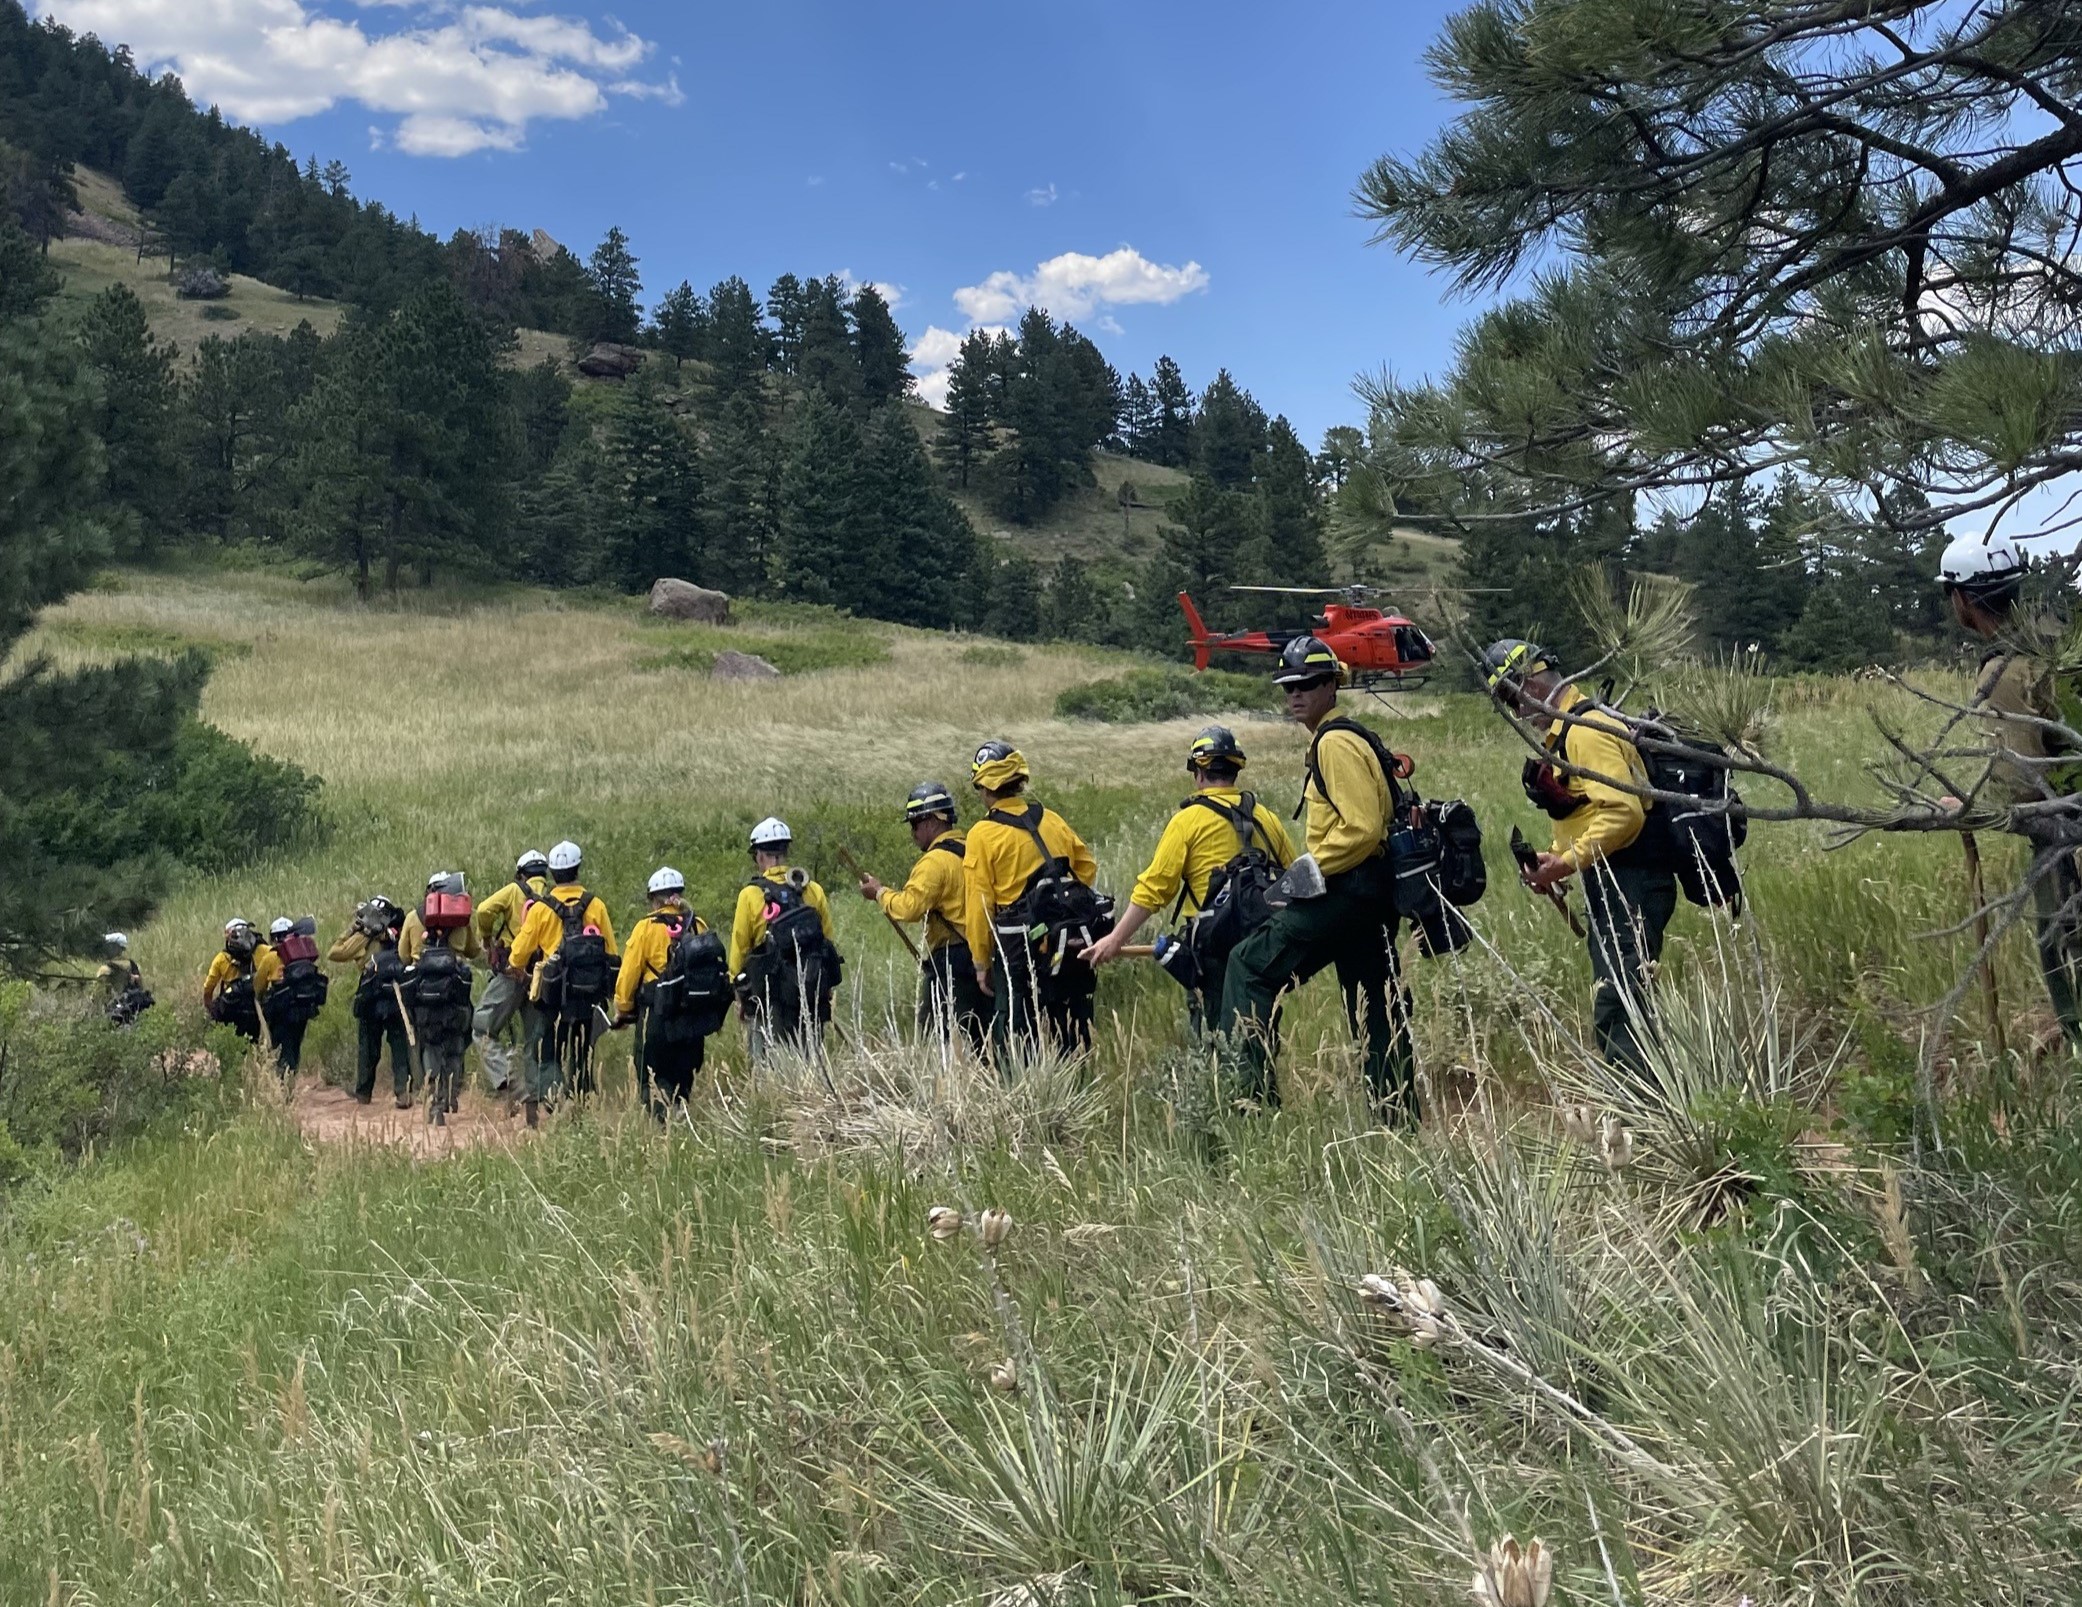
x,y
682,599
610,360
735,666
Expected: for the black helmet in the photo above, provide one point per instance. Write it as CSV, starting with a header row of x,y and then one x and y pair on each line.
x,y
929,798
1305,661
1216,745
1511,660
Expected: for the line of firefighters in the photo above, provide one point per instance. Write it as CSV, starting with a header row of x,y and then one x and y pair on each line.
x,y
1014,928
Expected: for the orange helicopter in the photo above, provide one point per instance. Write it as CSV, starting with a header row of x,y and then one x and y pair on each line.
x,y
1379,649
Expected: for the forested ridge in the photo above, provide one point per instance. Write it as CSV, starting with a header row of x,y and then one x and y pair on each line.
x,y
768,445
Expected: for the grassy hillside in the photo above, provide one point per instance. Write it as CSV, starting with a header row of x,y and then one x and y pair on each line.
x,y
1779,1354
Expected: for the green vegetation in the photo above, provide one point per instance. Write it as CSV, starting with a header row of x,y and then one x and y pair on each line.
x,y
1153,694
696,647
260,1330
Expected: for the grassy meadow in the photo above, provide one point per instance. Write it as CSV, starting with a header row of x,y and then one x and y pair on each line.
x,y
1742,1337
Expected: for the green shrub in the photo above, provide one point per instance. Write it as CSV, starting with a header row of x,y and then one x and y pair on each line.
x,y
69,1080
1166,694
992,656
803,654
217,313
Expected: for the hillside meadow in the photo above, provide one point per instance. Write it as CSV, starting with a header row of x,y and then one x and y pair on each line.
x,y
1749,1334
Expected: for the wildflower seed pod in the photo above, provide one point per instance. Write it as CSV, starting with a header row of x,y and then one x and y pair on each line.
x,y
996,1225
1376,1290
1004,1378
712,1456
1615,1144
1580,1124
943,1222
1514,1575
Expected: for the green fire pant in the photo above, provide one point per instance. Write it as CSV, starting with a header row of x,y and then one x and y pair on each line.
x,y
1349,927
1629,911
2057,904
948,996
372,1036
559,1053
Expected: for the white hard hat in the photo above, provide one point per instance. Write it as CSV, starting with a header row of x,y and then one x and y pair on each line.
x,y
565,856
238,923
667,880
438,878
115,940
1981,561
772,832
281,926
534,856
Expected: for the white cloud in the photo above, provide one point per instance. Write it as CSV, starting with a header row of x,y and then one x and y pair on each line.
x,y
458,78
1075,285
959,177
1044,196
893,294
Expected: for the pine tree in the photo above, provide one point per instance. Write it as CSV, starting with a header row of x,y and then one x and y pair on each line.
x,y
786,306
737,341
1728,216
653,518
676,327
916,547
879,350
965,433
1228,434
1170,441
1344,448
135,415
741,482
827,362
1290,511
618,285
817,558
1208,544
1138,418
1010,595
1071,611
231,394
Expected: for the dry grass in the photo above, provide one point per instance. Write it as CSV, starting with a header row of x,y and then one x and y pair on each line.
x,y
1240,1361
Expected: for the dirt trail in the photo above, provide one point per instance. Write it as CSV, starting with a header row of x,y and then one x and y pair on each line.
x,y
329,1115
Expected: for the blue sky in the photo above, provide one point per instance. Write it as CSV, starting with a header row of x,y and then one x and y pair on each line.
x,y
1200,156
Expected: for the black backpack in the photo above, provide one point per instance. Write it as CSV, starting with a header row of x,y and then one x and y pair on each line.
x,y
1236,893
376,995
438,986
303,989
796,962
1058,913
577,978
132,1000
690,998
1697,837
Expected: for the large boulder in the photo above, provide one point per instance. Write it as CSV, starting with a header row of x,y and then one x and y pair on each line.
x,y
610,360
731,665
682,599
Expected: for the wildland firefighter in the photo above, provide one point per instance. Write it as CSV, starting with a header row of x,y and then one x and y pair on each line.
x,y
783,959
565,948
674,988
1602,834
1033,911
498,922
293,1003
119,985
240,974
1338,906
1218,857
434,943
937,894
370,943
1983,580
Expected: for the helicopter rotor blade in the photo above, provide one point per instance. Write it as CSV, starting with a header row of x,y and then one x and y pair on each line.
x,y
1297,591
